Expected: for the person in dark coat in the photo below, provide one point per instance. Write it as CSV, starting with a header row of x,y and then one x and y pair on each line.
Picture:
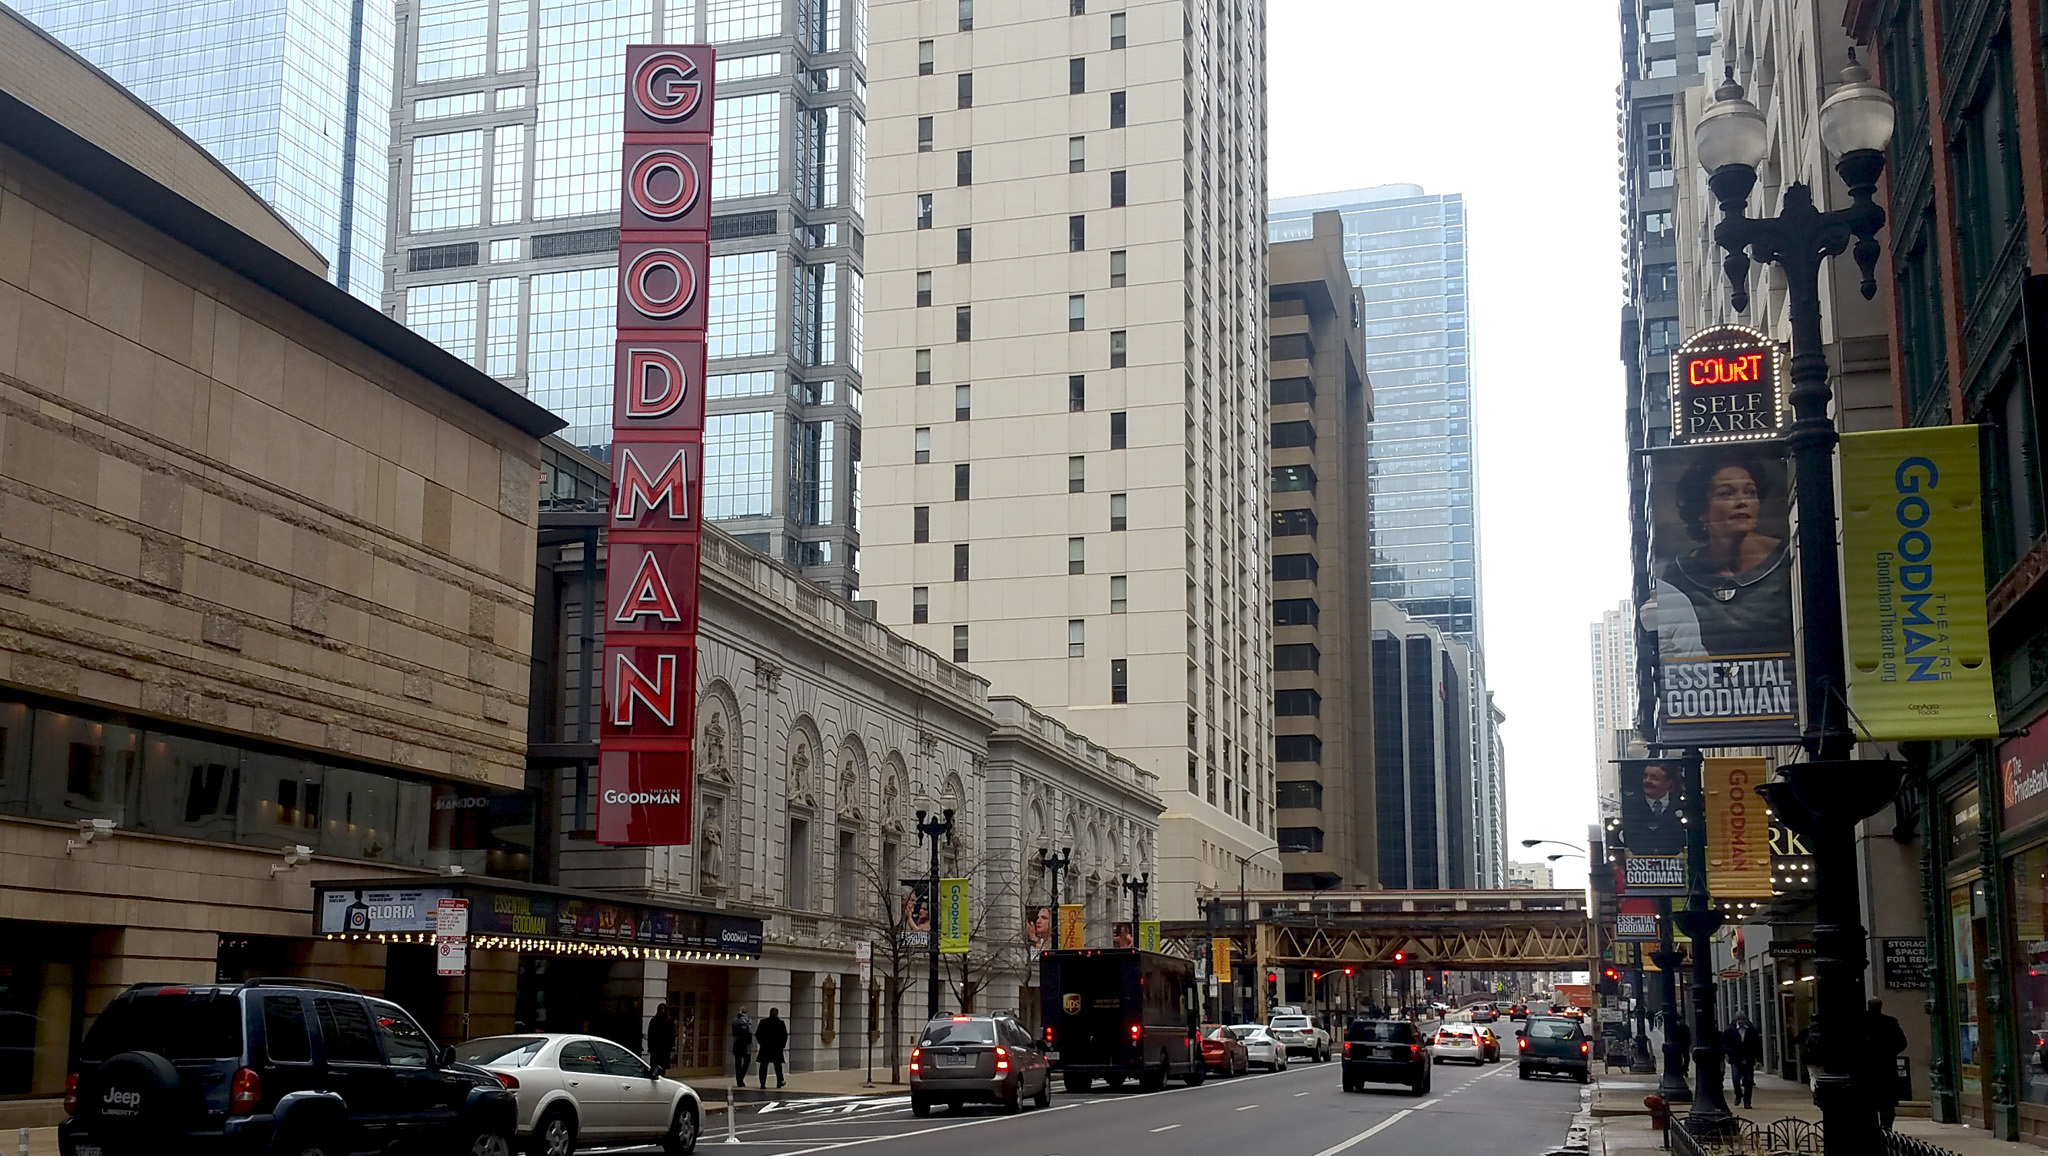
x,y
742,1046
1883,1042
1744,1046
772,1034
661,1040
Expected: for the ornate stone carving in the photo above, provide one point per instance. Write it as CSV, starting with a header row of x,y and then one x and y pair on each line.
x,y
850,792
768,673
800,792
716,765
892,801
711,846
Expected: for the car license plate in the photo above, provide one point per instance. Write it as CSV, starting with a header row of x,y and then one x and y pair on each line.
x,y
87,1150
1052,1057
955,1061
1383,1053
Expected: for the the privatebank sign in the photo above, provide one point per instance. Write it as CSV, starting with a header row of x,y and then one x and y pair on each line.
x,y
650,642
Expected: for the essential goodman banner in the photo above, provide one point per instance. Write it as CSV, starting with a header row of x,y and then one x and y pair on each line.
x,y
1721,559
1653,807
1913,585
954,925
1738,831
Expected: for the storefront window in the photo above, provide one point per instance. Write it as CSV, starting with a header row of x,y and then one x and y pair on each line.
x,y
1963,930
80,768
41,1004
2028,879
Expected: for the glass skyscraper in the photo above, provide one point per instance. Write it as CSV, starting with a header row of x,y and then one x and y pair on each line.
x,y
505,178
1405,250
1406,253
292,96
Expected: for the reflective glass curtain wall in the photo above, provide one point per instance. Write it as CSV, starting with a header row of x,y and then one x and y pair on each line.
x,y
505,149
291,96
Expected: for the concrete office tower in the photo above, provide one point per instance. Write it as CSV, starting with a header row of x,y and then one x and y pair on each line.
x,y
1322,607
1066,455
1428,835
292,96
1614,700
1406,252
1665,46
1530,876
505,160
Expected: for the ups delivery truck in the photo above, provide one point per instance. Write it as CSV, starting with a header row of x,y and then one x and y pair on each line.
x,y
1120,1014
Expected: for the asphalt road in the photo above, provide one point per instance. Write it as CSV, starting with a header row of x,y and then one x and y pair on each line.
x,y
1484,1111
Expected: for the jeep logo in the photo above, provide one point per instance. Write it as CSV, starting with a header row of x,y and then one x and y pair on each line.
x,y
120,1103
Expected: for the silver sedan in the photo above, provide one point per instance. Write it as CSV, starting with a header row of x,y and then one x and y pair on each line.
x,y
1259,1046
579,1089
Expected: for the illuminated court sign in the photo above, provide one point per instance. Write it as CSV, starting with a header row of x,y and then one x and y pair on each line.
x,y
645,773
1727,385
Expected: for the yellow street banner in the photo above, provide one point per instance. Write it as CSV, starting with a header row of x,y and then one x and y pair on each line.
x,y
953,919
1073,925
1738,829
1219,959
1148,935
1913,585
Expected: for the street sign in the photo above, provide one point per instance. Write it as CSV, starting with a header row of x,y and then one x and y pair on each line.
x,y
451,937
1727,384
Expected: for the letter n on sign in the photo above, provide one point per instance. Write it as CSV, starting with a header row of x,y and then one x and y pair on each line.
x,y
657,450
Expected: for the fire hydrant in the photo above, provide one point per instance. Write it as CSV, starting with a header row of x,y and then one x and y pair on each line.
x,y
1660,1112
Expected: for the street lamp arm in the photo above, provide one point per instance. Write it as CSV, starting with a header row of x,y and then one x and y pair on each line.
x,y
1553,842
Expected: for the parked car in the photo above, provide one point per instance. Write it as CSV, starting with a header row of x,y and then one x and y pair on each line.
x,y
1301,1033
1554,1045
578,1090
1385,1052
1457,1042
273,1065
1223,1052
1260,1047
962,1060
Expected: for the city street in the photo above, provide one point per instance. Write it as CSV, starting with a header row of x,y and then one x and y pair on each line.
x,y
1300,1112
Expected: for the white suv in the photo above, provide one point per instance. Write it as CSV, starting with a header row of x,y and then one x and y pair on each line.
x,y
1299,1033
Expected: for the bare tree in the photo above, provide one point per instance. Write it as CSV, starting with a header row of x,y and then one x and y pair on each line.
x,y
991,950
889,912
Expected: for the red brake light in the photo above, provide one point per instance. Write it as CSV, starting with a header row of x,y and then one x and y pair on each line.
x,y
1002,1058
1523,1043
1584,1047
1415,1051
1347,1047
1136,1030
960,1019
71,1093
1048,1035
245,1092
507,1080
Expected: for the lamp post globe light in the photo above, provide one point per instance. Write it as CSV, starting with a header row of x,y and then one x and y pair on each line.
x,y
937,827
1824,797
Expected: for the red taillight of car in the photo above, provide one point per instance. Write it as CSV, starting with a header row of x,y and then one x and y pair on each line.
x,y
1136,1031
507,1080
71,1094
1523,1043
1002,1058
1347,1047
1585,1047
1414,1051
1048,1037
245,1091
915,1055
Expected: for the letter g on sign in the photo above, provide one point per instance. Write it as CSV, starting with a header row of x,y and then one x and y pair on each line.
x,y
665,88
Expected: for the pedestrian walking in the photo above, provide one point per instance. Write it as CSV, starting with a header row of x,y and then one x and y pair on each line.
x,y
1883,1042
742,1046
772,1034
661,1040
1744,1046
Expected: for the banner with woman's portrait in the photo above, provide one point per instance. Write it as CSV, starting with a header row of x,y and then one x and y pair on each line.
x,y
1721,566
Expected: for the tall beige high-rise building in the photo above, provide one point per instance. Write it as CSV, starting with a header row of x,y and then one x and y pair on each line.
x,y
1614,699
1065,425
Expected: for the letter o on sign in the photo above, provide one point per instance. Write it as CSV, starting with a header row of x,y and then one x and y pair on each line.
x,y
663,88
659,166
645,286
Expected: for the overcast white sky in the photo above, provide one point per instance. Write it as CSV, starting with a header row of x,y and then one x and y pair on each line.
x,y
1513,105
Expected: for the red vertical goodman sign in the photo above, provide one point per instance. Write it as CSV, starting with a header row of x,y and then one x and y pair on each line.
x,y
650,639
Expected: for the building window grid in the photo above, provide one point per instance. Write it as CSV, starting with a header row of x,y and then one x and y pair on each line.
x,y
447,181
501,328
445,314
1077,555
739,465
1077,637
742,309
508,174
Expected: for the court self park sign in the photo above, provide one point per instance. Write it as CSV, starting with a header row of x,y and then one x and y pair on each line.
x,y
1727,385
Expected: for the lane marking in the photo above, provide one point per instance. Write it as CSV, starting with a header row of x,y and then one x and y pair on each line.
x,y
1362,1137
1300,1094
1428,1103
1244,1108
1168,1128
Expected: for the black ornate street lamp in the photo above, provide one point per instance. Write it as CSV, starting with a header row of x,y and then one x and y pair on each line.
x,y
1825,797
1055,866
935,829
1709,1114
1137,885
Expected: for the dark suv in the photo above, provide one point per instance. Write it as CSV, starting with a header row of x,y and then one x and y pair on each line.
x,y
1385,1052
273,1066
1554,1044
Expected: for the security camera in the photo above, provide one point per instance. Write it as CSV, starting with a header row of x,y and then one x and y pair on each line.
x,y
294,855
89,832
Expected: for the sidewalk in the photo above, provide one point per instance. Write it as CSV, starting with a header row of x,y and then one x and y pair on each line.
x,y
1622,1124
711,1089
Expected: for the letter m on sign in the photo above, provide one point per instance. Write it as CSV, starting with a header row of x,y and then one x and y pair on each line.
x,y
655,485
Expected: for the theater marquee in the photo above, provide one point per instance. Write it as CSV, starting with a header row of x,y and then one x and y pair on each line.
x,y
657,455
1727,385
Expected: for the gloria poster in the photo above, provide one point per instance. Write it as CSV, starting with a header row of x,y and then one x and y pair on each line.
x,y
1738,831
1652,825
1913,584
1721,560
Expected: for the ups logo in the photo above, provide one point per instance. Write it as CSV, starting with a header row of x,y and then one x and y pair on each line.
x,y
1070,1003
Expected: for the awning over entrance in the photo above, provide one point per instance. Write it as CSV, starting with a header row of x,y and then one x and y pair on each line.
x,y
510,916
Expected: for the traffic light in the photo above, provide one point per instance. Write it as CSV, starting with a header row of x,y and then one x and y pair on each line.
x,y
1400,957
1272,977
1347,971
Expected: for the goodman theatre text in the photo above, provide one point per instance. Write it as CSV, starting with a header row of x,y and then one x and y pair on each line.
x,y
1757,689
